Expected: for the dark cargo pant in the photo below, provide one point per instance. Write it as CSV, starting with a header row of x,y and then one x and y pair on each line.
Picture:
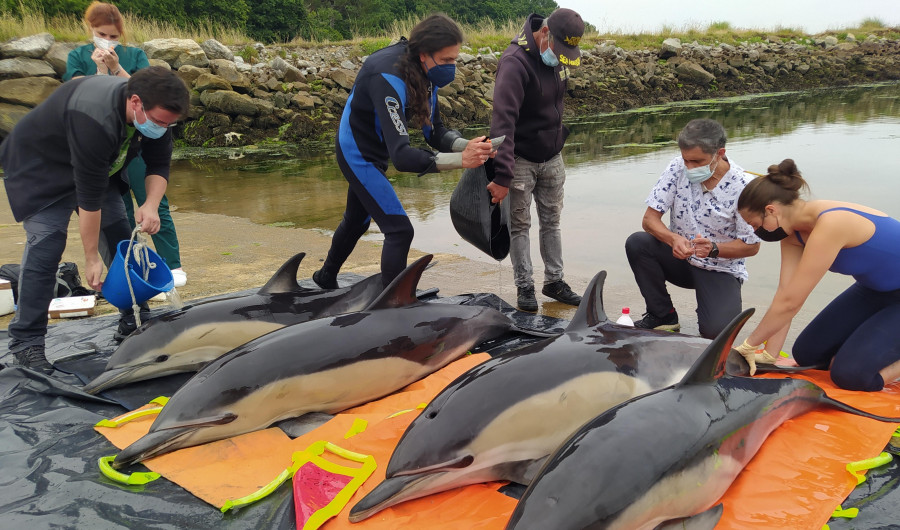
x,y
45,242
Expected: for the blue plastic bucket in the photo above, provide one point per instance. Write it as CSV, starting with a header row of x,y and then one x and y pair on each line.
x,y
115,287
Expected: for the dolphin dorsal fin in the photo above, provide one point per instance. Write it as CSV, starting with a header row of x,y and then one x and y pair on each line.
x,y
711,364
285,279
402,291
590,311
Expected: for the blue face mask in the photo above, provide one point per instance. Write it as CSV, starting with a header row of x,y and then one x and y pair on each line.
x,y
441,74
148,128
549,58
700,174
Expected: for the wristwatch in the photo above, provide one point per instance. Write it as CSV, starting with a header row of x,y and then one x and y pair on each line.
x,y
714,253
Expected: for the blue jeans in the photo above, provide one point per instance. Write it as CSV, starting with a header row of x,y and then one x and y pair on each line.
x,y
859,333
45,233
543,182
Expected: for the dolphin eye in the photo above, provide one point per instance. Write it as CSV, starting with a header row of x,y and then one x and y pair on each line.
x,y
162,358
431,415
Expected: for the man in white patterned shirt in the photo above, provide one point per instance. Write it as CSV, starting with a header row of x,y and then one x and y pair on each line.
x,y
705,244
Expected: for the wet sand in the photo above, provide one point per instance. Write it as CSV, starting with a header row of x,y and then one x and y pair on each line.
x,y
223,254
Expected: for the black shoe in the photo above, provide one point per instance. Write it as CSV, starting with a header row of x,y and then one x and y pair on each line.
x,y
560,291
325,280
127,324
33,357
526,300
667,323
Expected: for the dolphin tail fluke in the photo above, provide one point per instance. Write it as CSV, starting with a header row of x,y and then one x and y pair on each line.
x,y
702,521
402,291
853,410
285,278
711,364
391,491
590,312
152,444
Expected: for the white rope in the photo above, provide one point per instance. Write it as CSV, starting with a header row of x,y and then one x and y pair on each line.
x,y
137,247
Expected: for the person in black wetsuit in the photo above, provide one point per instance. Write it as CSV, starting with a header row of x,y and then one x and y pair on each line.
x,y
858,334
396,87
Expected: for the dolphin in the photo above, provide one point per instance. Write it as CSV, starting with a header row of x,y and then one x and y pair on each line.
x,y
185,340
668,455
325,365
519,406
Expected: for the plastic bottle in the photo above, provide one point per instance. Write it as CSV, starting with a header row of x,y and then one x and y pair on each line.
x,y
625,319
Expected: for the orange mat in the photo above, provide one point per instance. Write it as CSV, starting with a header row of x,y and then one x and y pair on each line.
x,y
795,481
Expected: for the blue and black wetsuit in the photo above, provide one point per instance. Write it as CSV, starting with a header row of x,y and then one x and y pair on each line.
x,y
373,131
859,331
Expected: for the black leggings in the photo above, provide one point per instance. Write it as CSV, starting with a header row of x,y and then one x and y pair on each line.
x,y
371,196
859,333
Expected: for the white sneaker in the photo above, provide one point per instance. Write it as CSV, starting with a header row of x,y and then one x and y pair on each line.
x,y
179,276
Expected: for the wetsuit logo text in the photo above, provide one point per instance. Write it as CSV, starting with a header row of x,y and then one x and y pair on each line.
x,y
393,107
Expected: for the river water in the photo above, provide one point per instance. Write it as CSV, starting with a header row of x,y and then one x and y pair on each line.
x,y
846,143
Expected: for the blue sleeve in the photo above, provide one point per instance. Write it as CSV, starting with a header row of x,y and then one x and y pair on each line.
x,y
388,93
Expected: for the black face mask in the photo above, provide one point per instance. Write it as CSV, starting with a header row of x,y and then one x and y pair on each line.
x,y
771,236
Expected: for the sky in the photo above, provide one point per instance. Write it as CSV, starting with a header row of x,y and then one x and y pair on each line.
x,y
636,16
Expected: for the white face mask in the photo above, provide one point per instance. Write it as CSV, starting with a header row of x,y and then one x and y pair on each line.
x,y
104,44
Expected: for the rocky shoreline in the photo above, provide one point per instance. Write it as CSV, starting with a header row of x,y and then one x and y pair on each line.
x,y
245,95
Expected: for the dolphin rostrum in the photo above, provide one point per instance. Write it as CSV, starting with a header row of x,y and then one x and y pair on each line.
x,y
518,407
668,455
325,365
187,339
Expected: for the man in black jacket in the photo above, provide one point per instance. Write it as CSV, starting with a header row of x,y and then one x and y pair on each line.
x,y
67,155
528,108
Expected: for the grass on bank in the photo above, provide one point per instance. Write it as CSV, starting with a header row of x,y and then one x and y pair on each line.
x,y
487,34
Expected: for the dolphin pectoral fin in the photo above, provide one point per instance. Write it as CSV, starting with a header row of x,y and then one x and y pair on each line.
x,y
702,521
402,291
390,492
590,311
285,278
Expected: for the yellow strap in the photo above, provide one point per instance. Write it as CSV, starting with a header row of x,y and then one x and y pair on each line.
x,y
849,513
869,463
134,479
419,406
359,476
359,425
135,414
752,173
312,454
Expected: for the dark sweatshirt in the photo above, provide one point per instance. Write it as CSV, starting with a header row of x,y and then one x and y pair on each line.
x,y
68,144
528,104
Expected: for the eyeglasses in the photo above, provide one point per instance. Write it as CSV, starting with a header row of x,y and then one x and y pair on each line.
x,y
157,122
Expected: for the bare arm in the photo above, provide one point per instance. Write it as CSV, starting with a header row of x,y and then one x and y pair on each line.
x,y
148,214
89,228
653,225
802,269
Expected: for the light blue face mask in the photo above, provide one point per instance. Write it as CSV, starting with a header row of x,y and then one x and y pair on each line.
x,y
148,128
702,173
549,58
